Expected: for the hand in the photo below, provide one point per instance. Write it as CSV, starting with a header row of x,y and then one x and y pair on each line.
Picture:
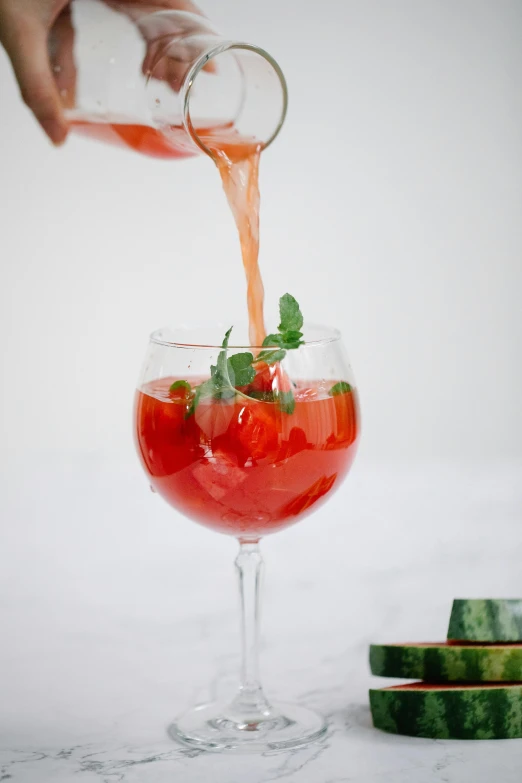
x,y
24,33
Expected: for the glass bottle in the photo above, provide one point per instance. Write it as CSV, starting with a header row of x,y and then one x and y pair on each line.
x,y
160,81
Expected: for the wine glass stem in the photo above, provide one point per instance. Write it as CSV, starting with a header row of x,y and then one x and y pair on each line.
x,y
250,701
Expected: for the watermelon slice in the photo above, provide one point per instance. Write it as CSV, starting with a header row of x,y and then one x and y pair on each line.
x,y
491,711
448,662
489,620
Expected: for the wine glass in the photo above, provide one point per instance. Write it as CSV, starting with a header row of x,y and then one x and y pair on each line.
x,y
247,456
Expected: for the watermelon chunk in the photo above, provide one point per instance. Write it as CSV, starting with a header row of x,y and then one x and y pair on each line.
x,y
443,662
491,620
476,712
270,379
256,429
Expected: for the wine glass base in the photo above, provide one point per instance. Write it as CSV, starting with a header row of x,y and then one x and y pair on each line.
x,y
212,727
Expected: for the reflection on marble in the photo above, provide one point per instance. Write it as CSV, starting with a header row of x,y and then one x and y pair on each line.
x,y
117,614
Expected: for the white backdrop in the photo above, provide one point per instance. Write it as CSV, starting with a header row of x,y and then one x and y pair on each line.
x,y
391,207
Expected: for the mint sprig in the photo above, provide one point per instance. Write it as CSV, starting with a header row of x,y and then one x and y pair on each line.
x,y
225,376
289,335
230,374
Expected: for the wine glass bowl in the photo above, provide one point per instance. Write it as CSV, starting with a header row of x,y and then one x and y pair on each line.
x,y
247,456
243,465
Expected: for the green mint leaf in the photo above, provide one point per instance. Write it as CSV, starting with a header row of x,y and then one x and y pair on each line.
x,y
239,361
286,401
221,374
240,369
340,388
290,314
292,339
242,377
272,340
293,334
180,385
271,357
224,344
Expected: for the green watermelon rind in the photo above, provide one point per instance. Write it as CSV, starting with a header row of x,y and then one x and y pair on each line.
x,y
447,662
476,713
486,620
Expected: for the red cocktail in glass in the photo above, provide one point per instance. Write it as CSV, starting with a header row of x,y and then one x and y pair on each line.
x,y
246,459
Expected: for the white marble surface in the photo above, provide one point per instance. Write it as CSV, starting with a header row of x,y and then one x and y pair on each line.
x,y
116,614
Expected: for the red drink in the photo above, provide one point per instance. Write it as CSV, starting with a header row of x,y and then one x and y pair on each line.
x,y
150,141
244,467
140,138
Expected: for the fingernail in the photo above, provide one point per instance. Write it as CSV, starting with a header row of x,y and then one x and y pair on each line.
x,y
55,130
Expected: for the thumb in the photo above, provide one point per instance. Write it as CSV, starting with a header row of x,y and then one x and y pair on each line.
x,y
26,46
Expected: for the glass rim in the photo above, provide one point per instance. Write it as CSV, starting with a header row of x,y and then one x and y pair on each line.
x,y
220,48
331,335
